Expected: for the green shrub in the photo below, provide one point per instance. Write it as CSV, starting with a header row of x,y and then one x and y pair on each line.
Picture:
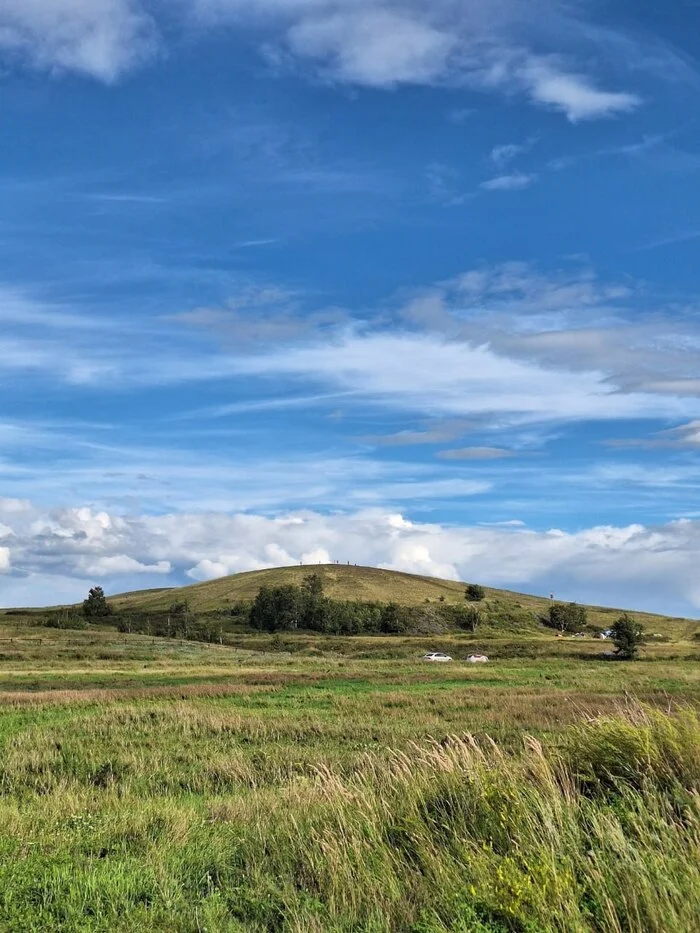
x,y
474,593
467,618
64,621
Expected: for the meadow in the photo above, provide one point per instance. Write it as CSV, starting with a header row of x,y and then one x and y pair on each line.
x,y
339,784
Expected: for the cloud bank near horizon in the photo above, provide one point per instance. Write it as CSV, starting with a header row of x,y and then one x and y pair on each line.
x,y
47,556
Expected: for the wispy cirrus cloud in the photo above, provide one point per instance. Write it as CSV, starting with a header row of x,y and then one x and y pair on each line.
x,y
476,453
385,44
426,374
515,181
163,468
504,340
371,43
505,153
438,433
262,315
682,437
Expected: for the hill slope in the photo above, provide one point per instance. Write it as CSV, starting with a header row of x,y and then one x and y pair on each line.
x,y
372,584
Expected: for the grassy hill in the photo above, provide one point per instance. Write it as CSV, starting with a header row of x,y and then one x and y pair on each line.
x,y
372,584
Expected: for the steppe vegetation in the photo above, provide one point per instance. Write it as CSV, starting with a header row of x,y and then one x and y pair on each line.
x,y
307,782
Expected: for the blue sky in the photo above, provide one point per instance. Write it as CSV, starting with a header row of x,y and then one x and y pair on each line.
x,y
401,283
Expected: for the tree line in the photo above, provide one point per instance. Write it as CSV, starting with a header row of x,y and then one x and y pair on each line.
x,y
290,607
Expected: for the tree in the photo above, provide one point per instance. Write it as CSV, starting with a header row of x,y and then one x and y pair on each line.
x,y
96,605
628,635
262,612
312,585
276,608
179,613
474,593
312,606
393,619
566,617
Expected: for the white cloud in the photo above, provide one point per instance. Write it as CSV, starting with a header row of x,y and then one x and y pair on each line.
x,y
384,43
452,489
119,564
636,566
318,556
4,559
573,94
572,321
682,437
513,182
13,506
505,153
210,570
438,433
373,43
495,340
100,38
379,48
476,453
432,375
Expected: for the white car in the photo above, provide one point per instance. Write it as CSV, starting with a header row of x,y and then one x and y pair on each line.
x,y
436,656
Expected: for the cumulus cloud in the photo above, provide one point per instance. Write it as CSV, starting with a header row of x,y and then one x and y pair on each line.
x,y
634,565
123,564
100,38
4,559
379,47
14,506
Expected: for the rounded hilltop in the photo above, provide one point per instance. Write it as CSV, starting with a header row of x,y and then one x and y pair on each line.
x,y
340,581
369,584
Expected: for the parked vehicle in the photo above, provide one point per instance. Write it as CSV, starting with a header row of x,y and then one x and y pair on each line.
x,y
436,656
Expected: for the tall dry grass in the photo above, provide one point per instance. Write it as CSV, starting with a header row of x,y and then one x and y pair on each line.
x,y
599,831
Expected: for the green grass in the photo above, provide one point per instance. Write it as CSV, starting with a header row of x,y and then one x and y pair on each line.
x,y
337,784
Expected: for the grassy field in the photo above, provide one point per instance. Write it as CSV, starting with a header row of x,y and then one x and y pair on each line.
x,y
341,784
300,782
